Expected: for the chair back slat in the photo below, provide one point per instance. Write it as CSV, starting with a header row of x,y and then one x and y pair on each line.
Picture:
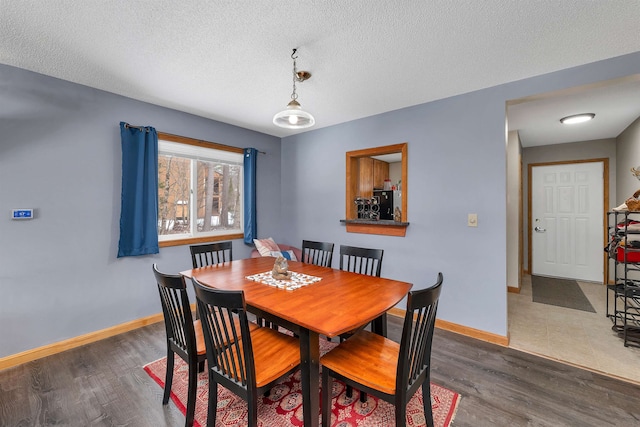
x,y
317,253
226,334
419,343
177,311
176,317
226,347
417,337
211,254
361,260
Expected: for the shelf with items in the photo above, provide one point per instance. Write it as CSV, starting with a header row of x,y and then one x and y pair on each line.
x,y
623,247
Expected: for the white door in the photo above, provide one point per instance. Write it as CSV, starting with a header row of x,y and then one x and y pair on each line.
x,y
566,215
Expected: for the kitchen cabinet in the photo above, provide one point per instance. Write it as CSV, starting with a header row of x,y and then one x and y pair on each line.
x,y
371,173
380,173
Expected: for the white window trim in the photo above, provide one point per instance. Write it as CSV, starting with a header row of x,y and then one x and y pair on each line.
x,y
197,150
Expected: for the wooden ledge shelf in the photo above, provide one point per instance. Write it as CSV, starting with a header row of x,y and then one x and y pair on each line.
x,y
382,227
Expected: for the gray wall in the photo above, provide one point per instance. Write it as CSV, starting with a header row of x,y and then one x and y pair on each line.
x,y
514,207
60,154
598,149
628,157
453,171
457,165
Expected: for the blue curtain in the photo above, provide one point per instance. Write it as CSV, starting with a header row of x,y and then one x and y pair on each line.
x,y
250,223
139,209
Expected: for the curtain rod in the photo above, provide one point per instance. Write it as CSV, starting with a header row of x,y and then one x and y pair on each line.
x,y
144,128
140,128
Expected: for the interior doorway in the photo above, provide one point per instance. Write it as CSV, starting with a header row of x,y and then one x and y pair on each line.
x,y
572,336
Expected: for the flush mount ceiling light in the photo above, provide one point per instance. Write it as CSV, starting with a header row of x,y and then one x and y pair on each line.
x,y
577,118
294,117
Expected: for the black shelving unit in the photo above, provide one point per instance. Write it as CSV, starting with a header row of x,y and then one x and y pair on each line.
x,y
625,288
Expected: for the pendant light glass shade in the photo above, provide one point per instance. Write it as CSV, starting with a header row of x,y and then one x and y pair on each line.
x,y
294,117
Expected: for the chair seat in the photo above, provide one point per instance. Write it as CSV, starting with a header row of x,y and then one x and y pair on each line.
x,y
274,354
368,358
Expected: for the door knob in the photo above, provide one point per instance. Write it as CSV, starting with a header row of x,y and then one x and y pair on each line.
x,y
540,230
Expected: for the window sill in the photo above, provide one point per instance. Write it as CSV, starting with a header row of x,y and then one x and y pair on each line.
x,y
381,227
196,240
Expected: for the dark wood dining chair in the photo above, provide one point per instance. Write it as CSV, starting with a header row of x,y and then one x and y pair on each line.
x,y
361,260
184,336
382,367
253,362
317,253
364,261
211,254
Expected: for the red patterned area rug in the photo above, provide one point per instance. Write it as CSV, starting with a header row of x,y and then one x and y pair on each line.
x,y
283,405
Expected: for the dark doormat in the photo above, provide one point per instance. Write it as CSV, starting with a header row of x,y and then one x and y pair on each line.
x,y
559,292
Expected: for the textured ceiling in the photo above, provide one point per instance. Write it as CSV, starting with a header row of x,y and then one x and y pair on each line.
x,y
230,60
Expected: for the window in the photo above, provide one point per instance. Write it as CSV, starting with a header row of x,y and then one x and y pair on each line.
x,y
199,191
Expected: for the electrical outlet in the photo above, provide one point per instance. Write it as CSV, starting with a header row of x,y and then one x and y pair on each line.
x,y
472,220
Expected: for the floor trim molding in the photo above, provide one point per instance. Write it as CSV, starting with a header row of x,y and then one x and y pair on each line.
x,y
60,346
462,330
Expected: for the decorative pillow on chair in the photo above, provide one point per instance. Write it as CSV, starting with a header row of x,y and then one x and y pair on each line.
x,y
266,246
289,255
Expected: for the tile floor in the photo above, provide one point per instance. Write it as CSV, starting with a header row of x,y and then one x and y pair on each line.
x,y
574,336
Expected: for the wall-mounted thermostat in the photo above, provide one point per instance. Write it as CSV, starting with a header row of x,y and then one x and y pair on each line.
x,y
22,214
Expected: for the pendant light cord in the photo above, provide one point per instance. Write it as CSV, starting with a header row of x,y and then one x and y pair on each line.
x,y
294,95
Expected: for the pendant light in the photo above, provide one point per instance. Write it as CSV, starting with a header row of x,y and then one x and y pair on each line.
x,y
294,117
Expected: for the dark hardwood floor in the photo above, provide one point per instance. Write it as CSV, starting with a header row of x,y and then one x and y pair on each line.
x,y
103,384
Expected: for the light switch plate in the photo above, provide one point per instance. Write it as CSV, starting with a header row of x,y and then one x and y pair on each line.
x,y
472,220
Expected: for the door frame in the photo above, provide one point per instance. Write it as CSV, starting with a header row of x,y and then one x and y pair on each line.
x,y
605,206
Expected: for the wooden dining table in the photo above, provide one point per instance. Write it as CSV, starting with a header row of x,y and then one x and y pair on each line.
x,y
339,302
